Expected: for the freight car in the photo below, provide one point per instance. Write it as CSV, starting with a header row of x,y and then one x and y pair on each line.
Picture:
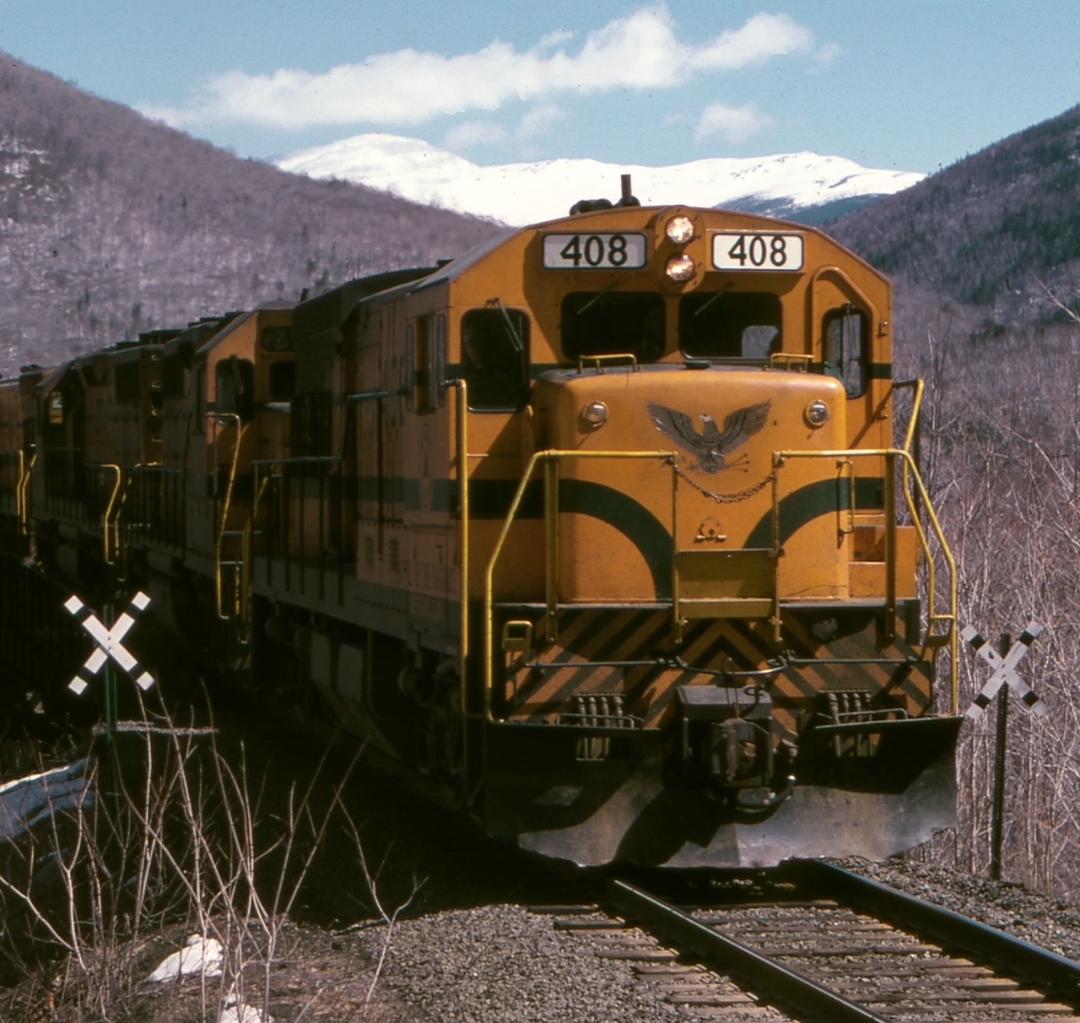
x,y
600,530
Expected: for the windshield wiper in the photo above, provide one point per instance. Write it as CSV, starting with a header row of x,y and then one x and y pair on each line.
x,y
596,298
709,301
515,337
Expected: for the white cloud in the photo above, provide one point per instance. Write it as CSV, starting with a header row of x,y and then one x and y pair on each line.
x,y
733,124
554,39
473,133
539,120
828,53
641,51
764,36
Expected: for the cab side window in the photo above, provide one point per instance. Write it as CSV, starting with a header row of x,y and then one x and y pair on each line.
x,y
235,379
845,347
495,358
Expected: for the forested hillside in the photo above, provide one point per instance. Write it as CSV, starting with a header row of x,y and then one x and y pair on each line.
x,y
985,257
111,224
994,231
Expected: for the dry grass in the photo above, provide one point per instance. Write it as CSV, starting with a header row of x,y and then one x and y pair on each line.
x,y
171,837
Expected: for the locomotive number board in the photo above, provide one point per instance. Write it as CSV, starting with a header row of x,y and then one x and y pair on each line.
x,y
757,250
621,251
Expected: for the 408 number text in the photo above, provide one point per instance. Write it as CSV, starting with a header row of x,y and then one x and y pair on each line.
x,y
623,251
751,250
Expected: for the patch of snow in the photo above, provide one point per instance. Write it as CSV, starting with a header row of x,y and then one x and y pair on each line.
x,y
17,158
199,955
525,193
236,1011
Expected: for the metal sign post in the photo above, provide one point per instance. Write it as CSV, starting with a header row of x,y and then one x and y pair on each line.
x,y
1001,738
1004,678
107,635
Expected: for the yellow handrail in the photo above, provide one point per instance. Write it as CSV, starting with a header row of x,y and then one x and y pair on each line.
x,y
551,526
918,388
219,419
598,360
22,489
799,361
108,548
890,455
20,465
849,284
461,387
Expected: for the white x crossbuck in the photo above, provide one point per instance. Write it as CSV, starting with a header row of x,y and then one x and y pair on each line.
x,y
108,643
1004,671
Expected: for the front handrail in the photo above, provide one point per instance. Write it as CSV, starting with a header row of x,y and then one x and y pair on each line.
x,y
934,617
550,459
797,362
599,360
918,388
911,445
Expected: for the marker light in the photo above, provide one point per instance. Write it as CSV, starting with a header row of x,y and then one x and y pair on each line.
x,y
681,268
679,230
595,413
816,413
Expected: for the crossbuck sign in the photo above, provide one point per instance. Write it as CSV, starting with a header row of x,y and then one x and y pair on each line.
x,y
108,643
1004,671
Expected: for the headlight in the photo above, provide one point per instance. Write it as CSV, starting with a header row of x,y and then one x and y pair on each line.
x,y
679,230
595,414
681,268
816,413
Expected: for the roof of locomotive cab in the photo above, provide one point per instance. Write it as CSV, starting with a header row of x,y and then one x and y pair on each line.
x,y
330,309
456,267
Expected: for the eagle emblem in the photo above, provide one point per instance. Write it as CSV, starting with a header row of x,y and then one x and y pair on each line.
x,y
712,445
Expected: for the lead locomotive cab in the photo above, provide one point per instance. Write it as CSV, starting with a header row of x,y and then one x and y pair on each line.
x,y
710,580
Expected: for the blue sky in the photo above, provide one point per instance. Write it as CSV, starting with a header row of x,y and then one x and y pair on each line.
x,y
897,84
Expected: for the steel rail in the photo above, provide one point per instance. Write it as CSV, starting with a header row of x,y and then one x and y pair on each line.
x,y
1013,956
770,978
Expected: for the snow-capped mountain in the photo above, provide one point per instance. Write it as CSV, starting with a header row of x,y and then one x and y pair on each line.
x,y
803,186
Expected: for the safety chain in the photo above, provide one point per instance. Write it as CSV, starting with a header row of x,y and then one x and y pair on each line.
x,y
742,495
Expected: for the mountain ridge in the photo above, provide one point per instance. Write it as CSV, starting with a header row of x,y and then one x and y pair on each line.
x,y
998,231
786,184
112,224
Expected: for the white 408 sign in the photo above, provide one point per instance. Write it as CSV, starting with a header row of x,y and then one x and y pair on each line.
x,y
602,251
758,251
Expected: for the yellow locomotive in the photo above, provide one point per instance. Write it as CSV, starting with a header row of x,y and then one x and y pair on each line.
x,y
600,530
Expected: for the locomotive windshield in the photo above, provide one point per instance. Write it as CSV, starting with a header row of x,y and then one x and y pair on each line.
x,y
606,322
730,325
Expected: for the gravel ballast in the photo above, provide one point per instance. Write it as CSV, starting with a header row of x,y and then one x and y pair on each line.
x,y
503,963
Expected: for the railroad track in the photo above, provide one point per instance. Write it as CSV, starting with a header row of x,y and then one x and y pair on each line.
x,y
814,942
